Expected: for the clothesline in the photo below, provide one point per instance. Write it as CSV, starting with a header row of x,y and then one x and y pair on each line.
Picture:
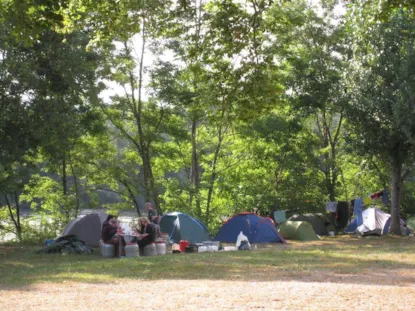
x,y
382,194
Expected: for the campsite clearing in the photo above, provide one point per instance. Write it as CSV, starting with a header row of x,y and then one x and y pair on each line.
x,y
339,273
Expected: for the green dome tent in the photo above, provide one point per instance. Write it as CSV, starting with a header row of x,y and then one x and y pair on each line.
x,y
298,230
180,226
410,223
320,224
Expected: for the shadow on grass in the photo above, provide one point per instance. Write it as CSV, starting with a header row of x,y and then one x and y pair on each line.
x,y
387,261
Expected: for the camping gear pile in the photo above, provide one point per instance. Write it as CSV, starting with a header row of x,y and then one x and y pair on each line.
x,y
70,244
185,247
242,243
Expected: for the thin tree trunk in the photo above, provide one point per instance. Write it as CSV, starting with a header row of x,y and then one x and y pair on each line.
x,y
333,181
330,160
151,194
64,186
278,178
12,217
19,226
195,177
76,190
64,181
213,175
395,225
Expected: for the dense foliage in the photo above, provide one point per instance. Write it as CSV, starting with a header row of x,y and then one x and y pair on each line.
x,y
209,107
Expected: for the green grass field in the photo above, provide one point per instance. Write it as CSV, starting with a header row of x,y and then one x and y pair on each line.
x,y
336,257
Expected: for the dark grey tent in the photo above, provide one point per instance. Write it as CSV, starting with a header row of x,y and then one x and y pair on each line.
x,y
181,226
320,224
87,228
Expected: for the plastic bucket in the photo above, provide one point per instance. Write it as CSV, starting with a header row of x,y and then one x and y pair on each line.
x,y
183,245
161,247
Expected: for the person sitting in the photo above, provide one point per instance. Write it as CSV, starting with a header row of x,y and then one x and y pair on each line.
x,y
109,231
148,231
105,224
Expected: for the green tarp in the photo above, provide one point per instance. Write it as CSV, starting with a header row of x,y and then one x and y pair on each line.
x,y
320,224
298,230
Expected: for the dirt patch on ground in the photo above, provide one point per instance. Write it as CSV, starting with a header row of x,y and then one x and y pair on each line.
x,y
210,295
381,278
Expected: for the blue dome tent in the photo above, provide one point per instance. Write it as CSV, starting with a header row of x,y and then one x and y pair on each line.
x,y
180,226
256,228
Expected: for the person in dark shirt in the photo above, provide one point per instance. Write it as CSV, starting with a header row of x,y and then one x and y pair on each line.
x,y
148,231
109,230
151,213
105,224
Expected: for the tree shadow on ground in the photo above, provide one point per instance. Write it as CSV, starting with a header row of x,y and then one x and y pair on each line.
x,y
351,261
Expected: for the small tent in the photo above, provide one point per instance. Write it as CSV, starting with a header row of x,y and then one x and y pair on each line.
x,y
180,226
375,221
87,228
256,228
318,221
298,230
411,223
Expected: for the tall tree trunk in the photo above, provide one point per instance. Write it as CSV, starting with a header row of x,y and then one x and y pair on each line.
x,y
330,169
64,180
15,219
278,178
213,175
151,193
327,165
65,187
76,190
19,226
395,225
333,181
194,175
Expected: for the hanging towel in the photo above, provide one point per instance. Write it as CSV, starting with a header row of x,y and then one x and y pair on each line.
x,y
358,211
342,214
331,207
385,197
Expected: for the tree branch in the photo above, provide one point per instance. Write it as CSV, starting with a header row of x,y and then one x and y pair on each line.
x,y
10,211
336,136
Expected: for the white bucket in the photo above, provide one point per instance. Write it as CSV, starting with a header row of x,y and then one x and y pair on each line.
x,y
107,250
161,248
131,250
331,233
150,250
